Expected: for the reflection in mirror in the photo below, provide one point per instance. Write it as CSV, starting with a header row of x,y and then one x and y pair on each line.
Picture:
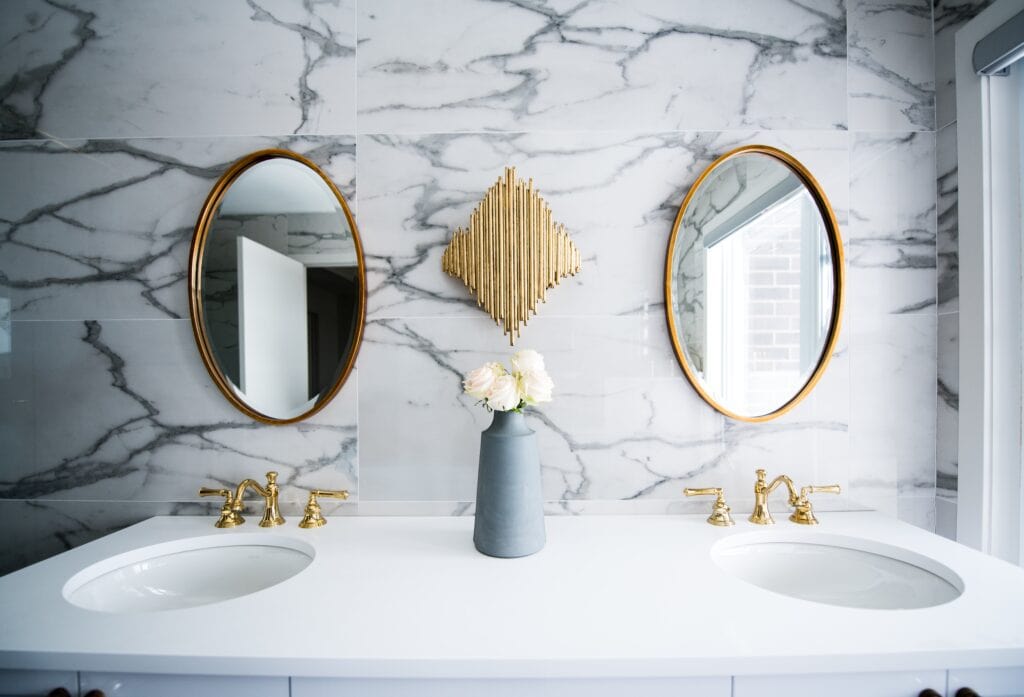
x,y
754,283
278,287
5,337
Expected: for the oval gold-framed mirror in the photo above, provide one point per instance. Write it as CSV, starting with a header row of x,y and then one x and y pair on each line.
x,y
754,283
277,286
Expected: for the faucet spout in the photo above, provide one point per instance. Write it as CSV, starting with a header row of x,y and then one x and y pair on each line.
x,y
240,492
784,479
761,515
271,513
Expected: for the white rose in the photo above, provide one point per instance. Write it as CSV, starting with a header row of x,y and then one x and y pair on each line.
x,y
528,361
504,394
478,383
537,386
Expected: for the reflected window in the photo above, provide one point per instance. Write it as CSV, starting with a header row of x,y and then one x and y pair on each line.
x,y
765,327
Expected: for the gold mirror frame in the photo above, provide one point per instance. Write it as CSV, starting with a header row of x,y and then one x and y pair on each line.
x,y
195,283
835,244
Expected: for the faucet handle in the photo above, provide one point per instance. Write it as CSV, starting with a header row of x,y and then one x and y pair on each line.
x,y
804,513
314,518
229,518
719,512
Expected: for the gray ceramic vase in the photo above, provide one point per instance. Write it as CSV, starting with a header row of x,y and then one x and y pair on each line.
x,y
509,499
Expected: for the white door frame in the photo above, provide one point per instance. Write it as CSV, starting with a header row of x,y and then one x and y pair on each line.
x,y
989,474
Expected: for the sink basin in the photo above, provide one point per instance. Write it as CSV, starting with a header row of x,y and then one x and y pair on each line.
x,y
187,573
839,570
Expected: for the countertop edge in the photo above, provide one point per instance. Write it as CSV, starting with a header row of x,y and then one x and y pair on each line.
x,y
489,667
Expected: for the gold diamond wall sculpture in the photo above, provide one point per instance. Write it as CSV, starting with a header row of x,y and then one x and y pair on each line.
x,y
511,253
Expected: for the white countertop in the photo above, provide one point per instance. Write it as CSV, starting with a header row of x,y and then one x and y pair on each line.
x,y
608,596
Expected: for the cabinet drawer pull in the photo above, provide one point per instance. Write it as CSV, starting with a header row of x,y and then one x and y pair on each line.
x,y
966,692
59,692
95,693
929,693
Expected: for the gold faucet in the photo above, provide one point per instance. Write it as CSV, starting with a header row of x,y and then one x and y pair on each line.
x,y
314,517
271,514
228,517
720,512
803,513
761,514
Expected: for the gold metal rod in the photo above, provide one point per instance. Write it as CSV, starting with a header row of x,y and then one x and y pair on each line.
x,y
511,253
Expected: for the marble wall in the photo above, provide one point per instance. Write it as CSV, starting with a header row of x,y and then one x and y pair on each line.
x,y
950,15
117,118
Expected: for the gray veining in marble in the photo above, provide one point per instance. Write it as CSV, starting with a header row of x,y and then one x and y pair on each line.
x,y
108,234
893,419
948,417
811,443
617,194
44,528
891,236
892,75
949,16
648,65
117,119
623,424
195,68
948,247
124,410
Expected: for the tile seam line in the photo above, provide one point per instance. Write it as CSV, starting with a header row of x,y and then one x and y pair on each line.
x,y
553,131
517,132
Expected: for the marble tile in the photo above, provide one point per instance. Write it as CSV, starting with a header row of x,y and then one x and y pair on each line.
x,y
783,446
948,244
603,442
948,417
640,506
648,65
101,229
891,235
948,337
37,530
113,133
108,69
624,424
810,443
891,70
949,16
124,410
41,528
5,338
893,412
618,195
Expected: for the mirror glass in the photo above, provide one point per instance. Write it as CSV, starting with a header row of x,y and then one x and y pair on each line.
x,y
753,283
277,287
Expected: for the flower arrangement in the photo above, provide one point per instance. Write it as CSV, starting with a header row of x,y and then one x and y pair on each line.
x,y
510,390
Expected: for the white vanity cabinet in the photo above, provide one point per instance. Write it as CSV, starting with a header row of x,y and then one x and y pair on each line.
x,y
32,683
27,683
143,685
565,687
989,682
888,684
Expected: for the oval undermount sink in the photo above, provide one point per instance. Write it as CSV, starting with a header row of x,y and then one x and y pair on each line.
x,y
839,570
187,573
